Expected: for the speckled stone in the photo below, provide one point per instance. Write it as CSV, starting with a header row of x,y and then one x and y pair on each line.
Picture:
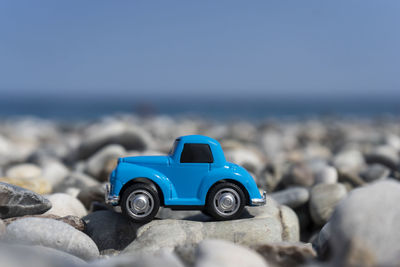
x,y
16,201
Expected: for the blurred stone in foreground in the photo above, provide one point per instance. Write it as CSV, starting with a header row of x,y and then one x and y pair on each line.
x,y
53,234
219,253
36,256
364,229
287,254
162,258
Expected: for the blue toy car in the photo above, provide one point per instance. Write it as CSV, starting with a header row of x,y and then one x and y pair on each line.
x,y
194,175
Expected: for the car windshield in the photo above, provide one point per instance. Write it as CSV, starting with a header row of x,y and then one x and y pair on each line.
x,y
173,148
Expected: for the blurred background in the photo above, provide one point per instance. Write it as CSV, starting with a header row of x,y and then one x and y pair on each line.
x,y
219,59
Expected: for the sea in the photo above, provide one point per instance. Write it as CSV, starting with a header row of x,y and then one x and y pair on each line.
x,y
70,108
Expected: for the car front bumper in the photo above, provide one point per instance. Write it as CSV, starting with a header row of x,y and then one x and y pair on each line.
x,y
259,201
110,199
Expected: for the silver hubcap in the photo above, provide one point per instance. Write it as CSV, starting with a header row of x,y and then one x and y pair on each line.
x,y
226,201
140,203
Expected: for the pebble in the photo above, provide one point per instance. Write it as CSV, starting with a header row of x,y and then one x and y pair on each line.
x,y
327,175
269,223
42,155
24,171
364,226
270,177
15,148
16,201
290,224
114,132
171,233
6,148
162,258
28,255
242,131
375,172
77,180
321,243
287,253
64,205
315,151
274,141
196,215
2,228
74,221
385,155
87,196
349,161
352,180
299,174
393,140
285,215
292,197
38,185
97,164
220,253
54,234
323,200
110,230
248,157
55,172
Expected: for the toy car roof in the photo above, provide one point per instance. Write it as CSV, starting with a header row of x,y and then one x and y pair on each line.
x,y
197,139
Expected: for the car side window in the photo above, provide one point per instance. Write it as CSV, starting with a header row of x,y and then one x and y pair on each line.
x,y
196,153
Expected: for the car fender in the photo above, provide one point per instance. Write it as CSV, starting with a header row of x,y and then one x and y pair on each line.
x,y
127,172
242,177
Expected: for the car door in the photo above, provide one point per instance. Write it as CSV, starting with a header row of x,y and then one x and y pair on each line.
x,y
191,168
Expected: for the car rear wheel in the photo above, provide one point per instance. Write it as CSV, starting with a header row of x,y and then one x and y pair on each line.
x,y
225,201
140,202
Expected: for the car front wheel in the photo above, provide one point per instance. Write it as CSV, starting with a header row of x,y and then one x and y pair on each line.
x,y
140,202
225,201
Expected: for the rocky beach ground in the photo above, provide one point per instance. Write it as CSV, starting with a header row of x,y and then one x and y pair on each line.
x,y
333,194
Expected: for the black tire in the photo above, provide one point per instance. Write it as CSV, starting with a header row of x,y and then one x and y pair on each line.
x,y
214,208
140,192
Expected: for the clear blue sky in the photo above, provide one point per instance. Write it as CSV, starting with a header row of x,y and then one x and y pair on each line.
x,y
252,48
